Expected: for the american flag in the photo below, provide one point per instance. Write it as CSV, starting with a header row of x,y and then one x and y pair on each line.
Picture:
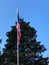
x,y
18,32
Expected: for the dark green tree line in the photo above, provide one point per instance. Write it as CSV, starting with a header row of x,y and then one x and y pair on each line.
x,y
30,50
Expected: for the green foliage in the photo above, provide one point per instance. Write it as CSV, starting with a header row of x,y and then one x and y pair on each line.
x,y
0,46
30,50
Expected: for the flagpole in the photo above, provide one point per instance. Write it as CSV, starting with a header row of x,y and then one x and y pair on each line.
x,y
17,43
17,52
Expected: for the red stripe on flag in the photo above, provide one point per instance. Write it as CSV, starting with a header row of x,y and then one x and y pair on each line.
x,y
18,32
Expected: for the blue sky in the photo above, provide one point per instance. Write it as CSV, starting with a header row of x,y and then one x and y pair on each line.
x,y
34,11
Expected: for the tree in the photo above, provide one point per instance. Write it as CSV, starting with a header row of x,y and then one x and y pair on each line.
x,y
30,49
0,50
0,46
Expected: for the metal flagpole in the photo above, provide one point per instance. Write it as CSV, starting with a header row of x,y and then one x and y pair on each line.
x,y
17,52
17,43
